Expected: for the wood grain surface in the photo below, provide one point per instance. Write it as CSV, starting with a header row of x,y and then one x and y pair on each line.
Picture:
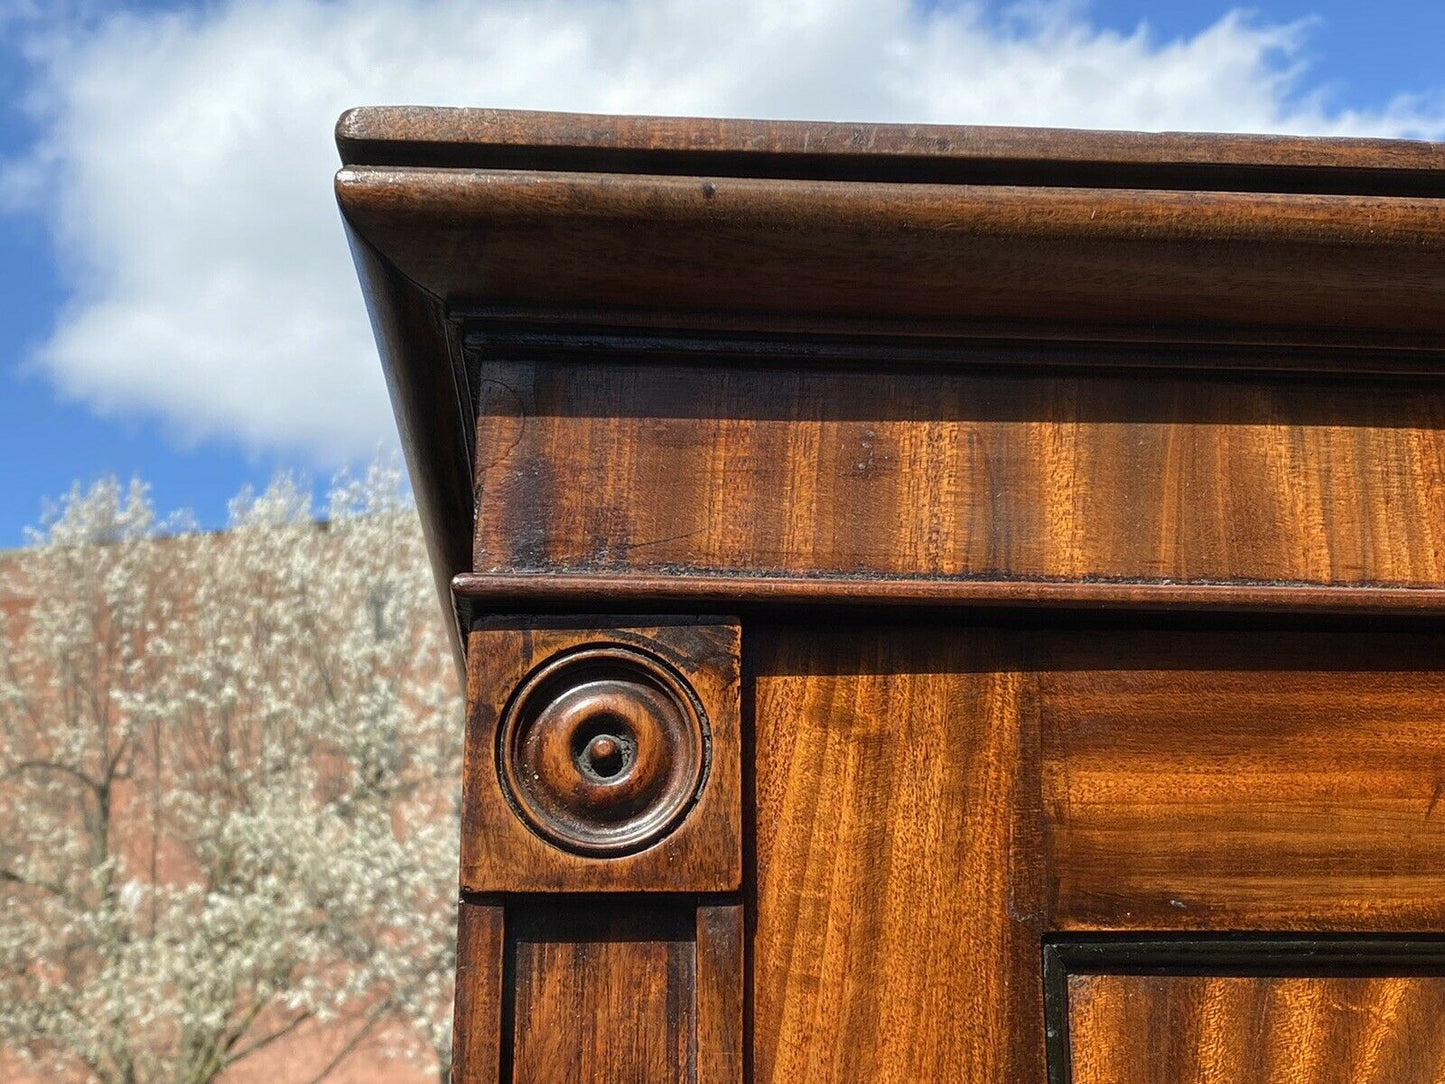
x,y
1244,780
603,994
481,1003
585,990
898,908
633,468
412,340
1096,258
721,993
1187,1029
408,135
502,852
928,803
764,595
885,373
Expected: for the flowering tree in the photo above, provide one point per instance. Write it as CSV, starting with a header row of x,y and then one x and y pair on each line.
x,y
227,785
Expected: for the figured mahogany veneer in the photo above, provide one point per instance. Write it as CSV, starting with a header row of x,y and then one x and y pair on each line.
x,y
958,476
937,604
1204,1012
1218,1030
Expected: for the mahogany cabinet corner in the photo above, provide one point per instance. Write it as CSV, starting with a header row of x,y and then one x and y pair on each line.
x,y
936,604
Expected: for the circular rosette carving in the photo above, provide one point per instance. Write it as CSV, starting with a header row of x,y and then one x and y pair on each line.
x,y
603,750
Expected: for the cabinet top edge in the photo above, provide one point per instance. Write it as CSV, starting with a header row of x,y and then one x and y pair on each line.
x,y
574,142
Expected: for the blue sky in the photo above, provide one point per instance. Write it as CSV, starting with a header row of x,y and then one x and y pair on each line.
x,y
230,398
48,441
1365,53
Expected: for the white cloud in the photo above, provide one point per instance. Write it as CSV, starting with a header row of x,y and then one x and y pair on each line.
x,y
187,163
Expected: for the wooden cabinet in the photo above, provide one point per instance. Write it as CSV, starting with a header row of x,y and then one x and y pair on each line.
x,y
937,604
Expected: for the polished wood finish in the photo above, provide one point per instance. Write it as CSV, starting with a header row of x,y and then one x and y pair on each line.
x,y
1244,780
1034,478
940,604
600,964
764,595
533,977
1248,1009
1194,1029
603,750
896,836
526,199
411,336
477,1029
721,1047
1093,258
699,146
670,820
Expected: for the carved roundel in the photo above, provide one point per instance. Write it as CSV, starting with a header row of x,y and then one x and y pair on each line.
x,y
603,750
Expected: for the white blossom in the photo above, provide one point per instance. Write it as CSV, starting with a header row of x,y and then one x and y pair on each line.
x,y
228,765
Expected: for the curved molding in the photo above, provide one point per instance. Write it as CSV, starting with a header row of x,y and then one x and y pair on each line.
x,y
623,591
603,750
